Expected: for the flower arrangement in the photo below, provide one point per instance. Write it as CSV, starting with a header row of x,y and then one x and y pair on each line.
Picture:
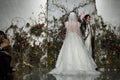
x,y
46,52
110,41
37,29
107,42
110,44
21,43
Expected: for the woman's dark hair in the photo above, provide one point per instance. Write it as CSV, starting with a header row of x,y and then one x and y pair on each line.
x,y
4,35
86,16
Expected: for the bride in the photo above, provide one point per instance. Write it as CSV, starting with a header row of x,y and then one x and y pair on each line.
x,y
74,57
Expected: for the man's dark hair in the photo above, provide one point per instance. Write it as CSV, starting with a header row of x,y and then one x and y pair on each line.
x,y
86,16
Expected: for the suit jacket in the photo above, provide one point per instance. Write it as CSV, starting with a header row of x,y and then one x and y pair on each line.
x,y
5,60
83,28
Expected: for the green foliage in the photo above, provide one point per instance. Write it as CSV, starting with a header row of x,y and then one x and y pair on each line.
x,y
37,29
45,53
107,50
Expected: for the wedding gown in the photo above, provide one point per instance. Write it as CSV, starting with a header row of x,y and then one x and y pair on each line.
x,y
74,57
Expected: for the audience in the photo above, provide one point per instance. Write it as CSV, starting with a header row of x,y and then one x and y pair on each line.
x,y
5,58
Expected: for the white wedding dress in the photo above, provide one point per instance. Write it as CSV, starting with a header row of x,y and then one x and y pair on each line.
x,y
74,57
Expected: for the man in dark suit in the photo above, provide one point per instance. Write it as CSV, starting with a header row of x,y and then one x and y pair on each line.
x,y
5,58
86,30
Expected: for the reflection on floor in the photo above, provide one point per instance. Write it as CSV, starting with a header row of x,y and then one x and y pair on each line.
x,y
42,75
75,77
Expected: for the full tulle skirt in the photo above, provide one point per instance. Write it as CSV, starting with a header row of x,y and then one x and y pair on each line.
x,y
74,58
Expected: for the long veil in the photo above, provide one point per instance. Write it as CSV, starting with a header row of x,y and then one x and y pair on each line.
x,y
72,17
73,53
73,25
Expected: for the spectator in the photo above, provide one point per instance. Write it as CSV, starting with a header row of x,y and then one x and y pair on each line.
x,y
5,58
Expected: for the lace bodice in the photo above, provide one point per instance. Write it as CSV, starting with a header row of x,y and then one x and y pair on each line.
x,y
73,26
